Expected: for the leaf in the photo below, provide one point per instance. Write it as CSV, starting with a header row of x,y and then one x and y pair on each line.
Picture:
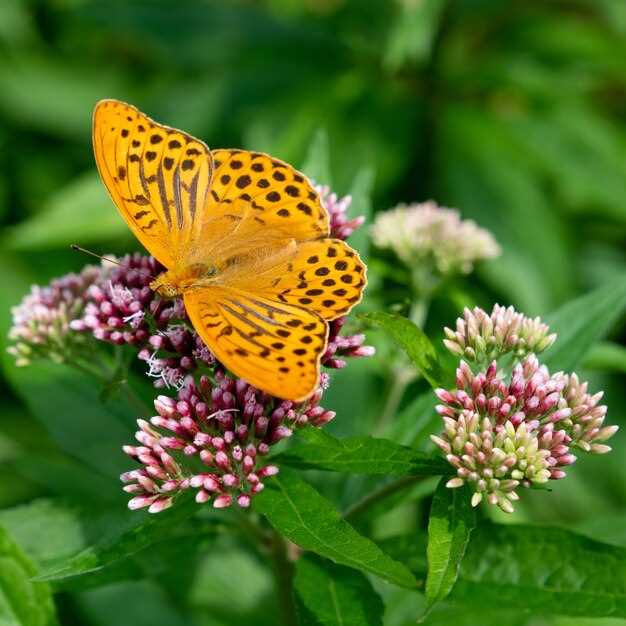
x,y
29,80
302,515
316,165
535,569
412,425
360,455
451,521
136,603
22,601
64,219
361,193
413,32
583,321
68,404
336,595
543,570
606,356
64,533
414,342
122,543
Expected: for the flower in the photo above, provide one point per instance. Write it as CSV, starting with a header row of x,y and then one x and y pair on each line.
x,y
42,321
504,431
481,337
213,435
426,232
340,226
213,439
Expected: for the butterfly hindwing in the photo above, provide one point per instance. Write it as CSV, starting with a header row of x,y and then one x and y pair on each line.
x,y
158,177
274,346
326,276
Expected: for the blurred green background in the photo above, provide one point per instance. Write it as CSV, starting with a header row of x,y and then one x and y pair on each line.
x,y
513,112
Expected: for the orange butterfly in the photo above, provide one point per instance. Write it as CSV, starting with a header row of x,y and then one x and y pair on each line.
x,y
245,240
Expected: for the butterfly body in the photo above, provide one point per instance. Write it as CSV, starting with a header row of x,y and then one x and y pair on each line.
x,y
245,242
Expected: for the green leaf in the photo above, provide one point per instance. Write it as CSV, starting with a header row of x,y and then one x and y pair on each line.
x,y
306,518
535,569
413,32
68,404
451,521
361,193
336,595
316,165
22,601
543,570
414,342
122,542
29,80
360,455
80,212
583,321
412,425
138,602
64,533
606,356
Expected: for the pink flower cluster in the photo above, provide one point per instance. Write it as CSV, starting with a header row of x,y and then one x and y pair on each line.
x,y
502,431
212,439
213,435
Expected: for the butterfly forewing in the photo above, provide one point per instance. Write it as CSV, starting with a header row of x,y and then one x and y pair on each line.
x,y
255,201
158,177
274,346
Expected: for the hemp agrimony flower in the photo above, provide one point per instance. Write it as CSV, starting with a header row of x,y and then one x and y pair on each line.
x,y
426,233
213,435
482,337
505,430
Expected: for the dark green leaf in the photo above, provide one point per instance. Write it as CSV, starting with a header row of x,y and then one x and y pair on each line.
x,y
139,602
22,601
361,455
307,519
543,570
68,404
451,522
536,569
336,595
413,341
582,322
120,545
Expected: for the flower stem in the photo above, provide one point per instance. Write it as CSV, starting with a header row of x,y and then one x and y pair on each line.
x,y
378,495
283,575
404,374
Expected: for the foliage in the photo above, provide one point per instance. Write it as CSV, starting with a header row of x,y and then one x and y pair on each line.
x,y
510,112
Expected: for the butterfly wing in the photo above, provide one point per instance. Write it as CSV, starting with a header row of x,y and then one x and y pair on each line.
x,y
256,202
325,276
158,177
274,346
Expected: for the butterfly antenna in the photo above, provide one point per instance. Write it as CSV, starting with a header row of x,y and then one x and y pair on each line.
x,y
78,248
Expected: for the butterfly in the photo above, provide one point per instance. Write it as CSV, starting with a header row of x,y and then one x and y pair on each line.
x,y
244,238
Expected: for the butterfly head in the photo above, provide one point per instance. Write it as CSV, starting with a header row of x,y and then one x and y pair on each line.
x,y
165,286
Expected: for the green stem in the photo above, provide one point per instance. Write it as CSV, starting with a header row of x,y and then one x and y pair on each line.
x,y
378,495
404,374
283,575
402,378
